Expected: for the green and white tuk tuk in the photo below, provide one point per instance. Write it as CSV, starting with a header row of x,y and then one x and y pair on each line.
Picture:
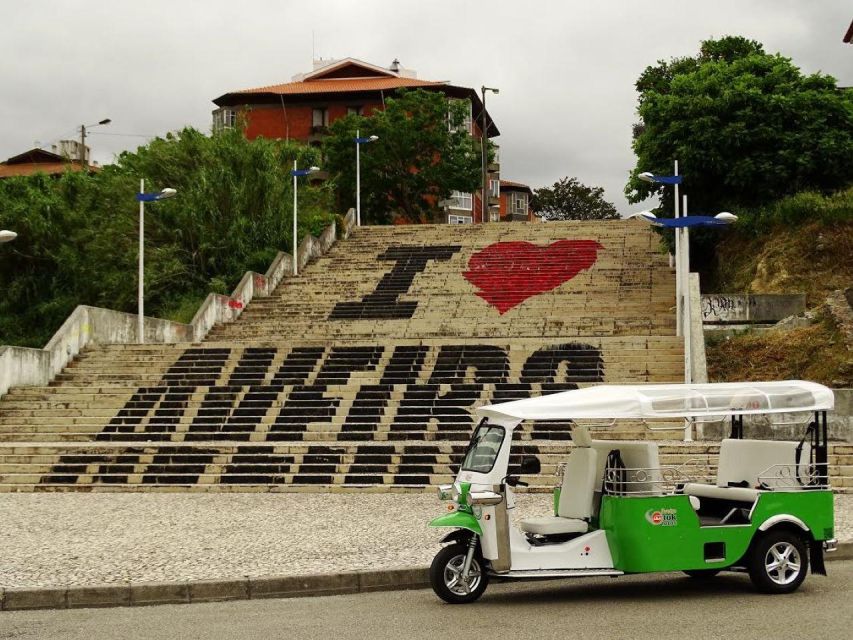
x,y
769,511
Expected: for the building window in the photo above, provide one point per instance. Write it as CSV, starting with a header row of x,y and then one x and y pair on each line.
x,y
224,119
354,111
460,200
459,219
495,188
320,118
518,203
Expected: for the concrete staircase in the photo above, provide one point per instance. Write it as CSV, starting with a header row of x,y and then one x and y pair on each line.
x,y
362,372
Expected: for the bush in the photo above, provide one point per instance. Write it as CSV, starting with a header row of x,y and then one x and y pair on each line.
x,y
801,208
78,233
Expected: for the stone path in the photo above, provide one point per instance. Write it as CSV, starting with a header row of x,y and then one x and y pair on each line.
x,y
83,539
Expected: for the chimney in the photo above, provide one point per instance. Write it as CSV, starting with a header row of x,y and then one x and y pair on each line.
x,y
395,66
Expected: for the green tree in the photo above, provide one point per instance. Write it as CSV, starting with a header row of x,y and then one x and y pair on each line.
x,y
78,232
423,153
569,199
747,127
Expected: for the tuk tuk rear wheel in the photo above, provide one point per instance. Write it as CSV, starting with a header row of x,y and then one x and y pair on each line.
x,y
445,575
779,562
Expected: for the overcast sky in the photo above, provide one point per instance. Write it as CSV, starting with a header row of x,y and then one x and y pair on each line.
x,y
565,69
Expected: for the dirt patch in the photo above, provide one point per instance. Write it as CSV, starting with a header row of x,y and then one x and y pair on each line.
x,y
817,352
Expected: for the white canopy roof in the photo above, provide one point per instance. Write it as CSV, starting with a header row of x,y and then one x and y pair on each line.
x,y
667,401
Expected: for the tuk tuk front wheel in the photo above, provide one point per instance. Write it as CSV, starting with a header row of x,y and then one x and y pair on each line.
x,y
445,575
779,562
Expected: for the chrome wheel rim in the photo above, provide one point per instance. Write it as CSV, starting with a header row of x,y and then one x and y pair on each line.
x,y
783,563
453,576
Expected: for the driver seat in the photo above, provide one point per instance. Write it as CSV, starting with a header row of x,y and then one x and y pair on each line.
x,y
576,493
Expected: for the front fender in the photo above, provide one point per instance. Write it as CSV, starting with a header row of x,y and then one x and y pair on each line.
x,y
458,520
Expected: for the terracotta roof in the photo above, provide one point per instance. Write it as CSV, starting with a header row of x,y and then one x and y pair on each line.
x,y
50,168
509,185
340,85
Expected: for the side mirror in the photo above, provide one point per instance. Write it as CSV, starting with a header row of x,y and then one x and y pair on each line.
x,y
530,465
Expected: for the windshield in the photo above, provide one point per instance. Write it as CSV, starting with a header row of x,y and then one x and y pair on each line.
x,y
484,448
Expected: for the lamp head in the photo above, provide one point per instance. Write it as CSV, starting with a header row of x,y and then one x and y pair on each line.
x,y
313,169
373,138
646,176
7,236
105,121
725,216
168,192
642,214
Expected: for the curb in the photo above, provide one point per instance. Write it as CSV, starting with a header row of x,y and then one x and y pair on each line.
x,y
151,593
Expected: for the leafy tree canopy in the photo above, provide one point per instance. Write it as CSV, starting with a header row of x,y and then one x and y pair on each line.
x,y
423,153
77,233
568,199
747,127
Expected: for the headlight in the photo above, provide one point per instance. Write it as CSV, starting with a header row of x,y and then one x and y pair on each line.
x,y
483,498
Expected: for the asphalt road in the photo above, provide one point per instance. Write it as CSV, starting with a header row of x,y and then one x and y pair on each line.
x,y
636,607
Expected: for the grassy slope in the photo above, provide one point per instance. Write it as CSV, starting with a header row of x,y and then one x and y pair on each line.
x,y
815,259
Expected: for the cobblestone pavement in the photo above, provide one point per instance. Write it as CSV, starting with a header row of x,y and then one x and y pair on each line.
x,y
83,539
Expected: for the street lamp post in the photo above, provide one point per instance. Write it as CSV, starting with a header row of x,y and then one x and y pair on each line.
x,y
358,142
143,197
682,225
674,180
297,173
484,142
7,236
83,159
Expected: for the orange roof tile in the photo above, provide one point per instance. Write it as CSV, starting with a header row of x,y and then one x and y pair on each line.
x,y
339,85
50,168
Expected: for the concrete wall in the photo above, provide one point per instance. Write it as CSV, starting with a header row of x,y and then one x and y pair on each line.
x,y
86,325
725,308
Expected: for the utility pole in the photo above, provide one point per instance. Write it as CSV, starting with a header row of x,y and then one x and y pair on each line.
x,y
83,162
484,140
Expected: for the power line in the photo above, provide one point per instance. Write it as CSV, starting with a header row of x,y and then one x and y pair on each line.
x,y
126,135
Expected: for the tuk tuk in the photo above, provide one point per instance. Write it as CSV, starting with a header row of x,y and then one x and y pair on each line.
x,y
768,512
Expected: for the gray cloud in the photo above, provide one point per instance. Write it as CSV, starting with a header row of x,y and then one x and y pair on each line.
x,y
565,69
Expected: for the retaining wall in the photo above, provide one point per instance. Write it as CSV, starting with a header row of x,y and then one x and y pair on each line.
x,y
730,308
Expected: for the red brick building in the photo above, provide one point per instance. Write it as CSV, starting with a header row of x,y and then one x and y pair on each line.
x,y
515,202
304,108
40,161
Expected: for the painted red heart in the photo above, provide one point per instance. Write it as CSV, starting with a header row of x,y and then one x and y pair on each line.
x,y
508,273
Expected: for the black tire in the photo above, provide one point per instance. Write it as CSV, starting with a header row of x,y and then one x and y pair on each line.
x,y
702,574
443,567
788,552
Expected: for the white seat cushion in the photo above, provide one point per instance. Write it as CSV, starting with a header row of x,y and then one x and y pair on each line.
x,y
576,495
553,525
741,494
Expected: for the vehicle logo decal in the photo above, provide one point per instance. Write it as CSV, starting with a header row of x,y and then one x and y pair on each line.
x,y
662,517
